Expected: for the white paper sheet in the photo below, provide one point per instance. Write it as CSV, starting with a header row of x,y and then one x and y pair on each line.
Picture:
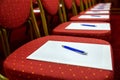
x,y
94,17
99,56
98,26
97,8
103,4
97,12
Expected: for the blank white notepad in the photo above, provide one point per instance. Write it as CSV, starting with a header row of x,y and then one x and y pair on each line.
x,y
99,56
94,17
89,26
97,12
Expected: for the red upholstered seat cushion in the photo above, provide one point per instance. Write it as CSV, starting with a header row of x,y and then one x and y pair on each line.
x,y
51,6
13,13
17,67
68,4
100,34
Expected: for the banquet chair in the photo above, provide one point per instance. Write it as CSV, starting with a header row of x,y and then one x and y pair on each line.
x,y
13,19
63,29
60,30
50,14
93,15
18,66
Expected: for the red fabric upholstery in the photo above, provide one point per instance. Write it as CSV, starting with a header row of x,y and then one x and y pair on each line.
x,y
77,2
68,4
34,1
51,6
17,67
101,34
13,13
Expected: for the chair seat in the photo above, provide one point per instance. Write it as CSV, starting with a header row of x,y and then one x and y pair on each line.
x,y
17,67
100,34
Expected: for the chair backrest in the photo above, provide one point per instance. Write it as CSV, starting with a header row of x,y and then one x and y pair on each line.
x,y
51,6
68,4
33,1
14,13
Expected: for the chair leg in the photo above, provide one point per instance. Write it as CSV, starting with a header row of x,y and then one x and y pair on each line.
x,y
61,15
81,6
74,9
42,14
62,8
34,23
5,42
89,3
31,32
3,78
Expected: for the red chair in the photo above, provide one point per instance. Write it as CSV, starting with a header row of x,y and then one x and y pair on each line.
x,y
14,21
17,67
100,34
60,29
89,14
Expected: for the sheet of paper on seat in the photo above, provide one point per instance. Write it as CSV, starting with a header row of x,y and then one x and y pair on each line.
x,y
98,26
97,12
102,7
103,4
99,56
105,8
94,17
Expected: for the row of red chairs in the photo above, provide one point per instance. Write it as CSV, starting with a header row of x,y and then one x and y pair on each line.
x,y
50,25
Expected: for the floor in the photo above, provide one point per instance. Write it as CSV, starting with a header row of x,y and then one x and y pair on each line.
x,y
115,42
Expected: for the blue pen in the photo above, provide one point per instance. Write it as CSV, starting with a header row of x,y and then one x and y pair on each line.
x,y
75,50
95,15
89,25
